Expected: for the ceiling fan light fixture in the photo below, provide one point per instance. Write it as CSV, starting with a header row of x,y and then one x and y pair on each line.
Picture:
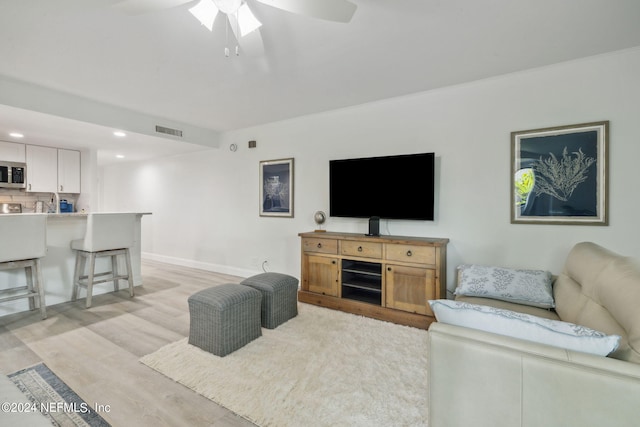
x,y
228,6
205,12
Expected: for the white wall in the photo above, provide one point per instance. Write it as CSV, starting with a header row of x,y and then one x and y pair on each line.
x,y
205,205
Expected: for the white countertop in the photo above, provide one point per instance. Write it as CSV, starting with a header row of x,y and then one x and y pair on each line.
x,y
81,215
72,215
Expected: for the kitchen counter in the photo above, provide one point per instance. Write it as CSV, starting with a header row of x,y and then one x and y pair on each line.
x,y
59,263
67,215
81,214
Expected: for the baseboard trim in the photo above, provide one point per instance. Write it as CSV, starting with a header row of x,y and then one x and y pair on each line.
x,y
216,268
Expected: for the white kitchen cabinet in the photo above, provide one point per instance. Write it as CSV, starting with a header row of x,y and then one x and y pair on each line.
x,y
68,171
42,169
12,152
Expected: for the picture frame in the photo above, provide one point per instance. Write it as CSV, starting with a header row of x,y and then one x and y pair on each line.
x,y
276,188
559,175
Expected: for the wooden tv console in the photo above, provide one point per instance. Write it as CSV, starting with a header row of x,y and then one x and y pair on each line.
x,y
385,277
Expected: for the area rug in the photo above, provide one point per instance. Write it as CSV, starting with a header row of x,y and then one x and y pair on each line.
x,y
51,396
321,368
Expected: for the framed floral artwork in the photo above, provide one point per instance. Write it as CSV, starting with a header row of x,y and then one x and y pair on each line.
x,y
276,188
559,175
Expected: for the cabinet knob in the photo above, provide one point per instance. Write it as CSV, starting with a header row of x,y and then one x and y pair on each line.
x,y
359,248
319,245
388,268
333,261
409,253
61,188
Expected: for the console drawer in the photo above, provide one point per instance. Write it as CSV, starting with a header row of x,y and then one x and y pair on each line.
x,y
411,253
325,246
361,249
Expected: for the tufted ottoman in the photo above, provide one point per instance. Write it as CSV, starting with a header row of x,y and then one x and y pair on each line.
x,y
224,318
279,297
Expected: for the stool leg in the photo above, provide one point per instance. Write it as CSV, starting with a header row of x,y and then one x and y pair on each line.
x,y
114,271
76,276
40,287
28,271
92,268
129,272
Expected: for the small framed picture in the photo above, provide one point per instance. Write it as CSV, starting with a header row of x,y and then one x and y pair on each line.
x,y
276,188
559,175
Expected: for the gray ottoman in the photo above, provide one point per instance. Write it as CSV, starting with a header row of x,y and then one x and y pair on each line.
x,y
279,297
224,318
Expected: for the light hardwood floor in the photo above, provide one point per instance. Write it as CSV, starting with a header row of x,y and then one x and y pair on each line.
x,y
96,351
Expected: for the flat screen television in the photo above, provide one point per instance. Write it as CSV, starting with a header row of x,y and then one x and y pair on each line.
x,y
391,187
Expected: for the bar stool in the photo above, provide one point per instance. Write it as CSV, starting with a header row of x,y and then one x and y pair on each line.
x,y
24,242
107,235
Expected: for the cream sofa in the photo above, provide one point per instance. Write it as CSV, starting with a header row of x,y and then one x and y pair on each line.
x,y
479,378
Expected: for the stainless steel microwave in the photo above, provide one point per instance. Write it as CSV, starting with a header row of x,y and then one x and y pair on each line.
x,y
13,175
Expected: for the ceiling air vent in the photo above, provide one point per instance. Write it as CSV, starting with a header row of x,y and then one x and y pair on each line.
x,y
169,131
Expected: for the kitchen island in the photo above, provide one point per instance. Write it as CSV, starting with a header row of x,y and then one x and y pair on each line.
x,y
59,263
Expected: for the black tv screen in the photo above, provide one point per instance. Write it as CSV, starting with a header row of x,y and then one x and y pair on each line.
x,y
391,187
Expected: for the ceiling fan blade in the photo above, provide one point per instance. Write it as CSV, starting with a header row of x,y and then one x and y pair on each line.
x,y
137,7
330,10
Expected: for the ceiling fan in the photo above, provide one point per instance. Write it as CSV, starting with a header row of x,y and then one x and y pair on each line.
x,y
239,16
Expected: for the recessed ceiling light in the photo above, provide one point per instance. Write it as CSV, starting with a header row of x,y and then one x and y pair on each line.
x,y
16,135
119,156
119,134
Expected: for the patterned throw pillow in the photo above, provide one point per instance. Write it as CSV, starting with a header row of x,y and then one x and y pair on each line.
x,y
524,326
528,287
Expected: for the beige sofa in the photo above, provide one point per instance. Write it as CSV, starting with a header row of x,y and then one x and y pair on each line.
x,y
478,378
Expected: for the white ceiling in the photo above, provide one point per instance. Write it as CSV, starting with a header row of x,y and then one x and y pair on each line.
x,y
164,64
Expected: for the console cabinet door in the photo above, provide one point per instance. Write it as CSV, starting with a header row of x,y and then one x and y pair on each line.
x,y
322,275
410,288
